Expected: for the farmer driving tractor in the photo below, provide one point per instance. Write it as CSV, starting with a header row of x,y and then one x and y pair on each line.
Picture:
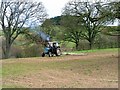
x,y
51,48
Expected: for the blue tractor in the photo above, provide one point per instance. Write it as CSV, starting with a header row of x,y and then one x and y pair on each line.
x,y
51,49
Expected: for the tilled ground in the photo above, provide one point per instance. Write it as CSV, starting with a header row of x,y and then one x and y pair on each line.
x,y
101,71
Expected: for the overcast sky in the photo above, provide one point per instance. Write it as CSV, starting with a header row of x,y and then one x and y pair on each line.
x,y
54,7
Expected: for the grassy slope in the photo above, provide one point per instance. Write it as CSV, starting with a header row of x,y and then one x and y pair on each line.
x,y
96,50
12,68
21,67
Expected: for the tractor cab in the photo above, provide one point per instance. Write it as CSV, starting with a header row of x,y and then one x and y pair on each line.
x,y
54,44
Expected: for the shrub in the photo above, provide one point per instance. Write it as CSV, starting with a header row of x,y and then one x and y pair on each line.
x,y
17,52
32,51
106,41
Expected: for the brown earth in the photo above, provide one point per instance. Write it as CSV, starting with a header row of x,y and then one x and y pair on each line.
x,y
105,76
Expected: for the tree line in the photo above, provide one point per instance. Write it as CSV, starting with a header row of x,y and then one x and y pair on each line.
x,y
84,20
79,20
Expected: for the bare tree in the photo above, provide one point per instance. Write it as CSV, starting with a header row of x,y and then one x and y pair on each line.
x,y
113,11
113,8
15,15
92,18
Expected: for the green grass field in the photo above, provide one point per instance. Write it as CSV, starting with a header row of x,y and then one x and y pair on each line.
x,y
100,67
96,50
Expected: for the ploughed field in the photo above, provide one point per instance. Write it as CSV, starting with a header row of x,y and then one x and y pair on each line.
x,y
97,69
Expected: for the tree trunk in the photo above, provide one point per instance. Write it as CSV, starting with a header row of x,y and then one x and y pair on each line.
x,y
77,46
7,52
7,49
90,44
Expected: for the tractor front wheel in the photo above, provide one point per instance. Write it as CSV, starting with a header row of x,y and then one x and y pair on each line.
x,y
43,54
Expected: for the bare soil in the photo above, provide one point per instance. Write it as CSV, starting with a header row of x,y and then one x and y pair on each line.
x,y
96,75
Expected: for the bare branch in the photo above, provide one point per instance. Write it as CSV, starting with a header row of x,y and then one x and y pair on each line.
x,y
15,15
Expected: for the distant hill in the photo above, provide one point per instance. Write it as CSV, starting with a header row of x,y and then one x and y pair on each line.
x,y
56,20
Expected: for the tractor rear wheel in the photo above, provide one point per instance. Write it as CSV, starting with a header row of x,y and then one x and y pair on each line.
x,y
58,52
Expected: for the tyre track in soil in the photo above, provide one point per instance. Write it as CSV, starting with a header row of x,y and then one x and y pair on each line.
x,y
84,56
60,80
